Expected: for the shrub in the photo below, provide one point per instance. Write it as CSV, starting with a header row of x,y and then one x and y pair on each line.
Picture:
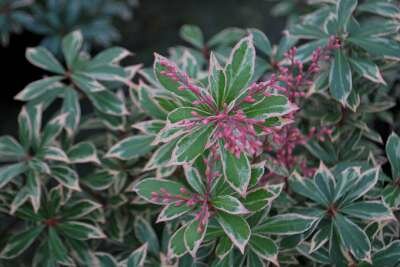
x,y
232,152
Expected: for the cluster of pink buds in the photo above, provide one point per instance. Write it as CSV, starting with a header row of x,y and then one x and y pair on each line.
x,y
287,139
295,78
186,197
185,82
234,128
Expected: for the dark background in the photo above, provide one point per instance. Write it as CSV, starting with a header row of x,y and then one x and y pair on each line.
x,y
154,27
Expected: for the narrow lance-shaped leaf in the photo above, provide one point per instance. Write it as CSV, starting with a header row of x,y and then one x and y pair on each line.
x,y
340,79
19,242
352,237
229,205
344,9
192,34
83,152
236,228
237,171
193,237
42,58
393,154
240,68
131,147
193,144
80,231
71,45
286,224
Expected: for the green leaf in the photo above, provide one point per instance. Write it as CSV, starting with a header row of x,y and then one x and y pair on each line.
x,y
259,198
137,257
19,242
261,41
236,228
131,147
229,205
148,102
239,68
216,80
66,176
176,245
161,156
107,102
42,58
377,46
52,130
307,31
184,113
150,127
99,180
367,69
105,260
86,83
10,148
340,79
8,172
352,237
226,37
53,153
368,210
224,246
193,35
25,128
264,247
71,45
145,234
237,171
193,144
193,237
31,191
307,188
39,88
168,83
79,209
194,178
109,56
387,256
83,152
393,154
146,187
172,211
383,8
72,107
344,9
271,106
80,231
58,251
362,185
286,224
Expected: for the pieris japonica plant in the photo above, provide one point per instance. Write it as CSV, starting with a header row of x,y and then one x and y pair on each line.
x,y
232,151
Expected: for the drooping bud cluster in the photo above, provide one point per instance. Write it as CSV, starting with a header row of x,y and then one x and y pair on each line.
x,y
296,78
186,83
186,198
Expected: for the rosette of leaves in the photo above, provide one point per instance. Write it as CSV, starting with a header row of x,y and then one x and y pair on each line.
x,y
80,78
37,156
226,89
94,18
363,43
215,217
59,229
337,199
13,16
391,192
